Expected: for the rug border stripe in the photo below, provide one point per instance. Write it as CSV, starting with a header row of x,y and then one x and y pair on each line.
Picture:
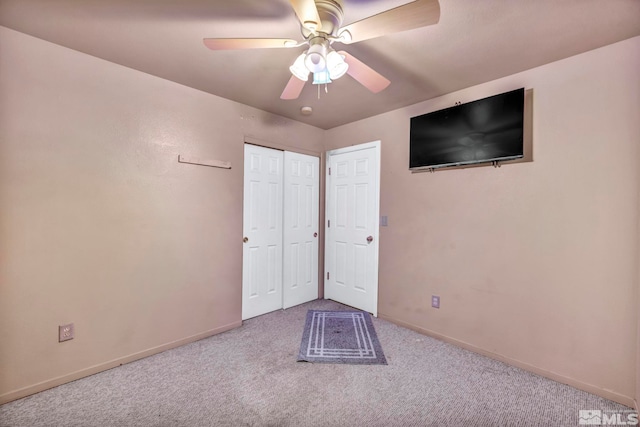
x,y
312,347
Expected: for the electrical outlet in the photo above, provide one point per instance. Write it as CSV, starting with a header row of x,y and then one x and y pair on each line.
x,y
66,332
435,301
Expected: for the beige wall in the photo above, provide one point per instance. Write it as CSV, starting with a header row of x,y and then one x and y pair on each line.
x,y
535,263
99,223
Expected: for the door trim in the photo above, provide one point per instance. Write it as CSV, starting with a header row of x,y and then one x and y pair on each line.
x,y
282,147
377,145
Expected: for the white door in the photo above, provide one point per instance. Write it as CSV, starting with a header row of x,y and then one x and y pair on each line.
x,y
301,200
352,210
262,224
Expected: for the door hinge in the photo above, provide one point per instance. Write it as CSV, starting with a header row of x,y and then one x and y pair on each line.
x,y
327,275
329,223
329,171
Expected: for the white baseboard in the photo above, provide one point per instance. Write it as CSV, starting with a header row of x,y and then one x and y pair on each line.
x,y
607,394
54,382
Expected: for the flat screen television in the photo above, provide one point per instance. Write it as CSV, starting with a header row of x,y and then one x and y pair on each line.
x,y
486,130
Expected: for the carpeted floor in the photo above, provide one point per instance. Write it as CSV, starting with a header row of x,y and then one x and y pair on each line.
x,y
249,377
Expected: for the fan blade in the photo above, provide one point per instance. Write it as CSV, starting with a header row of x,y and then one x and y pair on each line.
x,y
364,74
307,14
227,44
293,88
416,14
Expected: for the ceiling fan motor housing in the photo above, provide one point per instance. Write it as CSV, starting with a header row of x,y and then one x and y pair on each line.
x,y
331,16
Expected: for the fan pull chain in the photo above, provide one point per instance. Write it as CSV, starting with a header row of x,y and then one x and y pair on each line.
x,y
326,89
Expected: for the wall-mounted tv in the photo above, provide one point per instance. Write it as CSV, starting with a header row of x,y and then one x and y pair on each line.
x,y
486,130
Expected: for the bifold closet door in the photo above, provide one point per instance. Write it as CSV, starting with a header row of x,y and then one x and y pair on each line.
x,y
280,225
262,225
301,213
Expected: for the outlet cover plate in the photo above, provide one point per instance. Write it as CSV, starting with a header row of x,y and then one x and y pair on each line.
x,y
66,332
435,301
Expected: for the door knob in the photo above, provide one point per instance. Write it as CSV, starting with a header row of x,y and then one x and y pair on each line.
x,y
246,239
315,234
370,239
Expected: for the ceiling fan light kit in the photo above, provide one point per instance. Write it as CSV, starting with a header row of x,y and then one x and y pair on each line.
x,y
321,25
336,65
321,78
325,63
298,68
316,59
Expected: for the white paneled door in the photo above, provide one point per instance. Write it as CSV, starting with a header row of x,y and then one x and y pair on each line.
x,y
301,200
352,209
262,224
280,224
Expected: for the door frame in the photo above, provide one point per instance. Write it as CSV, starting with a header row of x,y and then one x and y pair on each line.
x,y
377,145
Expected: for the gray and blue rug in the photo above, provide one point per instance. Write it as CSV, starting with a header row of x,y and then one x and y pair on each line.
x,y
340,337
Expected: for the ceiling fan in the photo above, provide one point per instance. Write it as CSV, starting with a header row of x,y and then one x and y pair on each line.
x,y
321,26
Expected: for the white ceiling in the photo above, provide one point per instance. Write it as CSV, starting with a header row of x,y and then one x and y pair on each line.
x,y
475,41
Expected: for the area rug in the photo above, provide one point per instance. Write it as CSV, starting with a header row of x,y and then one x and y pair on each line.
x,y
340,337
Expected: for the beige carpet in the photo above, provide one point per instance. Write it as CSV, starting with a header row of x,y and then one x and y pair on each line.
x,y
250,377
